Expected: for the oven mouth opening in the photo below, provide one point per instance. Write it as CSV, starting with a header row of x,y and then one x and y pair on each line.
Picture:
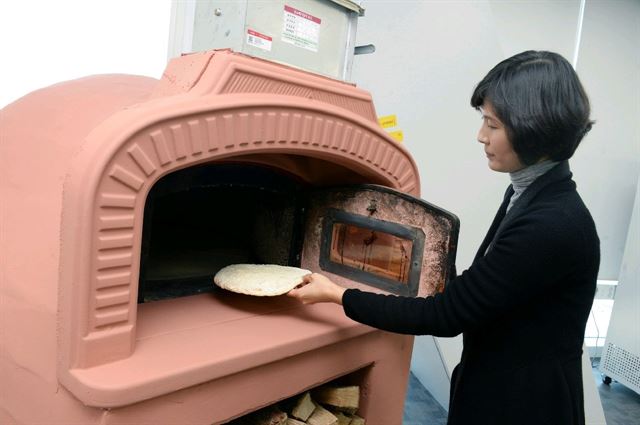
x,y
201,219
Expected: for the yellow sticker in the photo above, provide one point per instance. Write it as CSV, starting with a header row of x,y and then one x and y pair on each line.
x,y
388,121
397,135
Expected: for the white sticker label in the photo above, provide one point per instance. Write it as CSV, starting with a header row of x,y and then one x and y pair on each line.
x,y
261,41
301,29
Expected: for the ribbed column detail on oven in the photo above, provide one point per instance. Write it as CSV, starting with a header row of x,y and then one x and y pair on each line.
x,y
114,256
115,238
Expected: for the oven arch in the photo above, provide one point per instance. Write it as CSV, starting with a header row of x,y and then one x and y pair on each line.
x,y
108,263
123,157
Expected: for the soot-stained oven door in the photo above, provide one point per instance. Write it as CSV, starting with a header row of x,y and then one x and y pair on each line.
x,y
379,239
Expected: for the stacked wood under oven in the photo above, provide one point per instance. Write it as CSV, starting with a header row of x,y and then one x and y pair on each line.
x,y
326,405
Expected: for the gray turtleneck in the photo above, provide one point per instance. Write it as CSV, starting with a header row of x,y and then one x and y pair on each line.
x,y
521,179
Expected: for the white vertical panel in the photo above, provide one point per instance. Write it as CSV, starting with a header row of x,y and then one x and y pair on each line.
x,y
181,27
436,379
607,164
576,49
621,359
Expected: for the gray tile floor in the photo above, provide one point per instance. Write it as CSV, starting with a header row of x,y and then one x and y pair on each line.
x,y
620,404
420,407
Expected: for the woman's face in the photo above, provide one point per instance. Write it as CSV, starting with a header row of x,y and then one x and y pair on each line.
x,y
497,147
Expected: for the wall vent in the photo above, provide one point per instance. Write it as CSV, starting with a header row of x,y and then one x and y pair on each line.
x,y
622,365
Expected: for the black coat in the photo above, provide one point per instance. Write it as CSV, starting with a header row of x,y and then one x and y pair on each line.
x,y
522,306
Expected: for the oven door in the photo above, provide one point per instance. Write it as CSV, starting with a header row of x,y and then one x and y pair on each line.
x,y
380,239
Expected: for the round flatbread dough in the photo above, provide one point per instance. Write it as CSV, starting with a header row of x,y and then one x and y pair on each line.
x,y
263,280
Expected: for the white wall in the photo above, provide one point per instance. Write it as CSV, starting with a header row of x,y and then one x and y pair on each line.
x,y
429,56
43,42
609,162
622,362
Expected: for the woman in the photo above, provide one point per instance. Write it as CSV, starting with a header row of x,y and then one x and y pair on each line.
x,y
523,304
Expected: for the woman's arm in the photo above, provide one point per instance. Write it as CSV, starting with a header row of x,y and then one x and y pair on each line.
x,y
531,257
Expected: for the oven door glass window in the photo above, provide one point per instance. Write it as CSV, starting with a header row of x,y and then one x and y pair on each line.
x,y
371,250
383,254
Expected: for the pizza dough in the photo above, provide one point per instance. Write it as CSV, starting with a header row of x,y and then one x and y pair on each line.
x,y
263,280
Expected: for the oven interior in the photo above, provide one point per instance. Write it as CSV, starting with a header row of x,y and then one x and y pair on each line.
x,y
201,219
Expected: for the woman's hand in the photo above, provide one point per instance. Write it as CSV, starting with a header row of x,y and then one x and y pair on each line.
x,y
316,288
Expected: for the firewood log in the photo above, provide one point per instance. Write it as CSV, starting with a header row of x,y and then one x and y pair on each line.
x,y
303,408
322,416
345,399
357,420
291,421
342,418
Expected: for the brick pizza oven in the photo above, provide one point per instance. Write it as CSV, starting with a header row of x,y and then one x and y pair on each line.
x,y
122,196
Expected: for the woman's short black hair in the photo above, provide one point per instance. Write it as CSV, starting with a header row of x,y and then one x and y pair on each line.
x,y
539,98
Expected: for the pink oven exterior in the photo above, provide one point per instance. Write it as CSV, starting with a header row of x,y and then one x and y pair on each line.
x,y
77,161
